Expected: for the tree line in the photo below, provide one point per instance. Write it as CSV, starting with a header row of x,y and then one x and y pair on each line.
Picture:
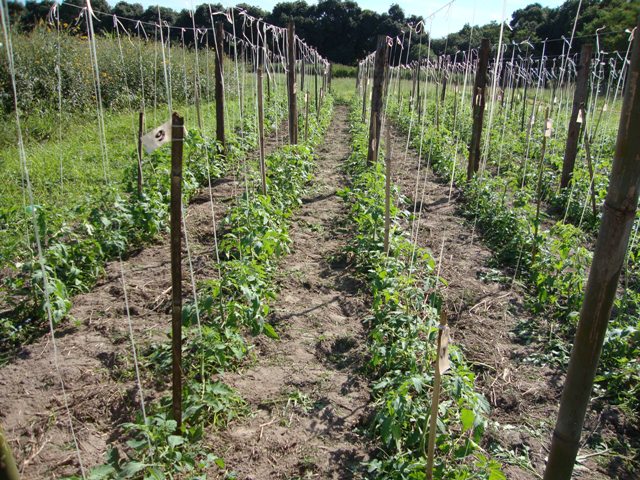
x,y
344,32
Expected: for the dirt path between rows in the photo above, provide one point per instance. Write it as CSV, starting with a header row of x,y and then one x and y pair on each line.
x,y
306,392
95,353
484,311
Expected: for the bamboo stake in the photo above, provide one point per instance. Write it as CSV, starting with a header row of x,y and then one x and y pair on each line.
x,y
613,238
177,134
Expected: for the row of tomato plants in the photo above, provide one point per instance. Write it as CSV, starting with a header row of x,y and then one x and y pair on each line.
x,y
217,322
554,261
78,243
403,329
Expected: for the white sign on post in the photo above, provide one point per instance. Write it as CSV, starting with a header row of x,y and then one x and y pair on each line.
x,y
157,137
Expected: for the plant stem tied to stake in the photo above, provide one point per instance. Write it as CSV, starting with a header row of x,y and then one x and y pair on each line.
x,y
617,221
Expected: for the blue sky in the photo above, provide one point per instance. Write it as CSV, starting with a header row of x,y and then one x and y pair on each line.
x,y
450,19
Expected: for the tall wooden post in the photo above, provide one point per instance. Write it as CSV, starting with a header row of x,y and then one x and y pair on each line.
x,y
302,69
382,54
219,90
291,84
177,136
329,76
611,246
478,108
579,101
263,169
140,133
8,470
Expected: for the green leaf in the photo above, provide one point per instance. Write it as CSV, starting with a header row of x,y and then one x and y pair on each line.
x,y
175,440
467,418
131,468
270,332
102,472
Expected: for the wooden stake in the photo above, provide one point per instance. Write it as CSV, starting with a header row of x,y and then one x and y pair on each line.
x,y
263,169
8,470
177,135
387,190
219,90
579,102
382,53
441,365
140,134
291,84
611,246
478,109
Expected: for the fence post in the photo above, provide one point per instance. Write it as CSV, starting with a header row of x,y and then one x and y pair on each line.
x,y
478,108
579,100
177,135
219,42
611,246
382,53
291,84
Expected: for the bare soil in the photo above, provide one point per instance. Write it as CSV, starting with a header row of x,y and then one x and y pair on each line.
x,y
307,395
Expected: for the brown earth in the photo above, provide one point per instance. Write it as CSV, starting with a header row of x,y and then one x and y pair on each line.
x,y
485,308
306,393
95,354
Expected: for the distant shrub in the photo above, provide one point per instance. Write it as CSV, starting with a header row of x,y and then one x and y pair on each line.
x,y
343,71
